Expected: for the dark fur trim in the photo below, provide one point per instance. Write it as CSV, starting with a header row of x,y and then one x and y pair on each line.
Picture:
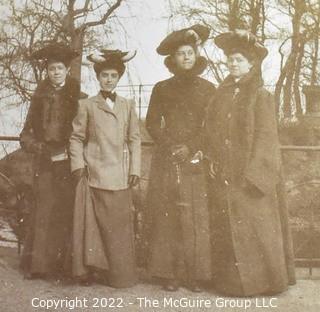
x,y
199,67
43,97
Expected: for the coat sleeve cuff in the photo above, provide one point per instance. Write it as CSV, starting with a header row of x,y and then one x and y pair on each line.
x,y
135,173
76,166
135,170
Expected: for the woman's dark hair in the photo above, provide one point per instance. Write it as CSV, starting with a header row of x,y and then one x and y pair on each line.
x,y
66,63
250,55
192,45
118,66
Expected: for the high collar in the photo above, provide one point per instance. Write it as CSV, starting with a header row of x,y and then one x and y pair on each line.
x,y
69,84
198,68
108,94
71,87
253,78
60,86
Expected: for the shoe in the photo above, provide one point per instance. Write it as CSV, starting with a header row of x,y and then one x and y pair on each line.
x,y
171,285
33,276
85,280
85,283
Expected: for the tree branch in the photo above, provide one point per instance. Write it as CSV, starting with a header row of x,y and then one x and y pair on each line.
x,y
104,17
84,9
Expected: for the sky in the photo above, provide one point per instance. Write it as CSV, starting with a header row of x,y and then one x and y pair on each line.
x,y
141,25
144,24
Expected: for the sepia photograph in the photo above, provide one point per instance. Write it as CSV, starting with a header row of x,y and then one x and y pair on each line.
x,y
159,155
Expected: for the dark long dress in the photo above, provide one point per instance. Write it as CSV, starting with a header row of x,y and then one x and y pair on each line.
x,y
252,247
49,122
180,235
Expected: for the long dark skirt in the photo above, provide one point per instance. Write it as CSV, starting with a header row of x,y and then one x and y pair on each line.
x,y
48,235
251,242
114,213
180,233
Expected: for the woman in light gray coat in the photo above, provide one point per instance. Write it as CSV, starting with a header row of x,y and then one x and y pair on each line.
x,y
105,146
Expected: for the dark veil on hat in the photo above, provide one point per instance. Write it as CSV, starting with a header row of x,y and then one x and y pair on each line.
x,y
241,40
110,59
56,52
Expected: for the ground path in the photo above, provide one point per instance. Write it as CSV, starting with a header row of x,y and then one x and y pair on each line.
x,y
16,294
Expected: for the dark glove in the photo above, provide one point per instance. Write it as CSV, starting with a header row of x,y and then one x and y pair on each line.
x,y
180,152
77,175
133,180
40,148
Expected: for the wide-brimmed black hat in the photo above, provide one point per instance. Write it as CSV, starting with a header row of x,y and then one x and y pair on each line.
x,y
110,59
56,52
194,35
242,40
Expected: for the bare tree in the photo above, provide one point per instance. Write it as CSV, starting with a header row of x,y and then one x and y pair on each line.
x,y
32,24
290,70
313,26
77,33
300,66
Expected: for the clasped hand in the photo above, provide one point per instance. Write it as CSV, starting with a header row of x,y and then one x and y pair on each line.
x,y
180,152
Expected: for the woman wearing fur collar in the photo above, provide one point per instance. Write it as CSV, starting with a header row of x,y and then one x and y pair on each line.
x,y
46,133
252,247
180,245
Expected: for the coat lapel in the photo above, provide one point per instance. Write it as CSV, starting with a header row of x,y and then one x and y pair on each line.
x,y
118,105
101,103
116,111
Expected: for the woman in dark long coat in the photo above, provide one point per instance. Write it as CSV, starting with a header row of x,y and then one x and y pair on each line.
x,y
177,197
252,248
46,134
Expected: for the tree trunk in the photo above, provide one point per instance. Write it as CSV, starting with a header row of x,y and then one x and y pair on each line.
x,y
280,82
296,82
233,18
287,74
315,55
287,88
77,45
255,13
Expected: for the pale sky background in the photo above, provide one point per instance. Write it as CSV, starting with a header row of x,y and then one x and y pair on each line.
x,y
144,23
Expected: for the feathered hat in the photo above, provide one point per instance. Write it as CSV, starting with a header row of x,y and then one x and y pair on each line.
x,y
56,52
194,36
110,59
241,40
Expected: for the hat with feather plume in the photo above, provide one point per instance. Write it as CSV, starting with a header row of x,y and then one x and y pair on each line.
x,y
56,51
241,40
194,36
110,59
